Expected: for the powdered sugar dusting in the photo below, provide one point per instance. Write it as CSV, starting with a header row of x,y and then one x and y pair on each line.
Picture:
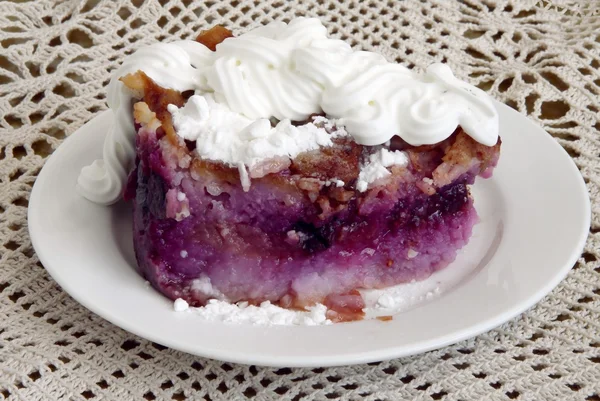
x,y
330,124
239,141
180,305
266,314
204,286
376,166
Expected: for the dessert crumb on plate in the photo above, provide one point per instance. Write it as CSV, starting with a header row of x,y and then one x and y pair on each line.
x,y
266,314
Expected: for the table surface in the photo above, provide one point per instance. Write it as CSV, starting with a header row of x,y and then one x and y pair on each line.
x,y
540,57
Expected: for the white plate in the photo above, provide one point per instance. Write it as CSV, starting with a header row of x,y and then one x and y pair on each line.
x,y
535,218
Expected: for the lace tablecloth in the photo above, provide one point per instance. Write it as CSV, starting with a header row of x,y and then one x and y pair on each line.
x,y
540,57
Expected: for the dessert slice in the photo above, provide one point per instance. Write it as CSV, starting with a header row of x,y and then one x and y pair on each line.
x,y
299,198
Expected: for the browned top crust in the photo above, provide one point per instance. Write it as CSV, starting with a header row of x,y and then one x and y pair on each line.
x,y
465,148
157,98
213,36
340,161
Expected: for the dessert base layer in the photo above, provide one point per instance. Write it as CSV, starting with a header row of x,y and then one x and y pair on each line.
x,y
198,235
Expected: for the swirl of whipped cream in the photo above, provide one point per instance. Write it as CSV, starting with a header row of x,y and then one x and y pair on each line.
x,y
389,99
259,66
172,65
290,71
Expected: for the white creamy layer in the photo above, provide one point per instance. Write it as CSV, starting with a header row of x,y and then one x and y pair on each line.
x,y
289,71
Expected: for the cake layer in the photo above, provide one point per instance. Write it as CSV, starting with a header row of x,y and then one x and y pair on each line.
x,y
294,238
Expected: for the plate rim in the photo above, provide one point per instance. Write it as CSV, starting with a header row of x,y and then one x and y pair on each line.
x,y
336,360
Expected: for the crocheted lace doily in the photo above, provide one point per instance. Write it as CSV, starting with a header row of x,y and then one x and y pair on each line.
x,y
541,57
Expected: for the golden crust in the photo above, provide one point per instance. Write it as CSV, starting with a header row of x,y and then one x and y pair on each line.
x,y
340,161
464,149
157,98
213,36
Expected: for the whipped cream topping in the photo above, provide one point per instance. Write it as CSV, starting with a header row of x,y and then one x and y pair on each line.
x,y
289,71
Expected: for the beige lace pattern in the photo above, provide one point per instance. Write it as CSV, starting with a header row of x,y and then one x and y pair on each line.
x,y
541,57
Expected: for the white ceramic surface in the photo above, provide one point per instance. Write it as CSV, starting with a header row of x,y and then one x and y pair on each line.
x,y
535,219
